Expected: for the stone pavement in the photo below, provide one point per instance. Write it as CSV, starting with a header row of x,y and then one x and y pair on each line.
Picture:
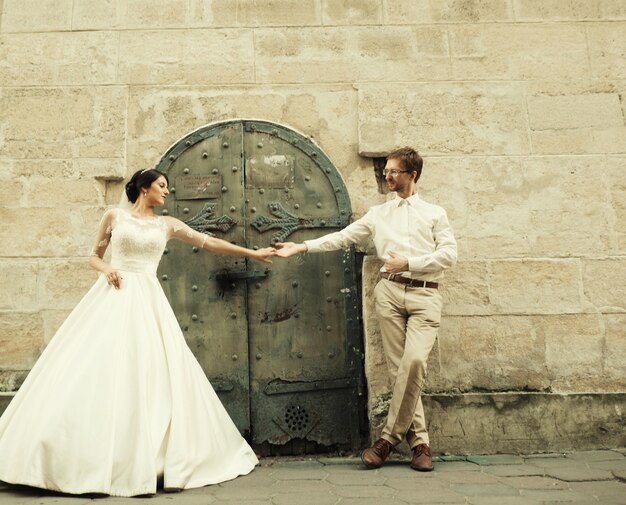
x,y
579,478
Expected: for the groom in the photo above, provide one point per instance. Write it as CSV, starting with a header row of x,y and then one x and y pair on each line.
x,y
416,242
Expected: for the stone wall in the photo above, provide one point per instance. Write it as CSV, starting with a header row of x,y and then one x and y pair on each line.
x,y
516,105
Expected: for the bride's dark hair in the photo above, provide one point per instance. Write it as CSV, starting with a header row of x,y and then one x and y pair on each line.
x,y
142,179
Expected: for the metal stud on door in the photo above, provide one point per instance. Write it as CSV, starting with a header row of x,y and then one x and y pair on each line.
x,y
306,386
295,324
206,182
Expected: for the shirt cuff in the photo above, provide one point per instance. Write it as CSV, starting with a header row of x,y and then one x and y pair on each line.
x,y
312,245
416,263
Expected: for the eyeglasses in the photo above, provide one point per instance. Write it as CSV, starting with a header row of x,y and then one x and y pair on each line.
x,y
393,172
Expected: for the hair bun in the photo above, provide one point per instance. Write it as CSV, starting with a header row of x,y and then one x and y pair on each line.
x,y
142,179
132,191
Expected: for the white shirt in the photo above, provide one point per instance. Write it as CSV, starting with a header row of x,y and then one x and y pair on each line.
x,y
409,227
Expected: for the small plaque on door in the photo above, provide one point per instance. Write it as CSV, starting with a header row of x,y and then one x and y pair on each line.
x,y
270,171
198,187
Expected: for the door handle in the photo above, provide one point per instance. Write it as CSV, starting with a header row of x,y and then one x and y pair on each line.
x,y
245,275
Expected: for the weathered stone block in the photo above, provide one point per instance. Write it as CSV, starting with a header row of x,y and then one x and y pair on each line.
x,y
446,11
160,117
525,422
591,122
434,378
137,14
391,116
518,206
616,195
110,169
607,45
574,88
153,13
362,187
52,321
38,168
491,353
98,14
604,283
113,192
35,16
11,192
615,334
20,339
444,182
44,192
580,141
519,51
351,54
247,13
576,10
574,346
349,12
64,282
535,286
593,110
465,289
46,232
19,284
59,58
63,122
186,57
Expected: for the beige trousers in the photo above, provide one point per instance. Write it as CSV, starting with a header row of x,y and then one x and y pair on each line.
x,y
409,319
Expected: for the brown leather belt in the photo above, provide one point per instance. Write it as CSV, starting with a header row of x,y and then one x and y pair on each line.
x,y
413,283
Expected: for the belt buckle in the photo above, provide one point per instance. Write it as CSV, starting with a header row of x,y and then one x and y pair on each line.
x,y
391,277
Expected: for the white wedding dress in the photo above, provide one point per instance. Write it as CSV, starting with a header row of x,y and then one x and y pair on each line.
x,y
117,399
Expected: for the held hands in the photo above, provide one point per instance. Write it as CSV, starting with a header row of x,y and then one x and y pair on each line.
x,y
264,255
396,264
288,249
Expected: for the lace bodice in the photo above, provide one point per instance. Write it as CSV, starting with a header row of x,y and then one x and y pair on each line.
x,y
137,243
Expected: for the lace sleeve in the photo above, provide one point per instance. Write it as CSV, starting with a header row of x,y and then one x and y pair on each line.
x,y
176,229
104,234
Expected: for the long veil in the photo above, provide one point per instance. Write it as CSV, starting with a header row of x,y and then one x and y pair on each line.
x,y
124,202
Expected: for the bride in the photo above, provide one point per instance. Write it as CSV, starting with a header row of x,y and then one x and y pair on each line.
x,y
117,400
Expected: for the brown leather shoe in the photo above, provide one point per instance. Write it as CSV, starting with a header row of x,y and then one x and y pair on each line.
x,y
375,456
422,459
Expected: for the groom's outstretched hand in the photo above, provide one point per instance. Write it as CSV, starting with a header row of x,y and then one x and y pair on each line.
x,y
287,249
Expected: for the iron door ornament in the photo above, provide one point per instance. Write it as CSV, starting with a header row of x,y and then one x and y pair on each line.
x,y
282,345
206,191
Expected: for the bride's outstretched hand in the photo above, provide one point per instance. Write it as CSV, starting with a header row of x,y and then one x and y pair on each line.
x,y
288,249
264,255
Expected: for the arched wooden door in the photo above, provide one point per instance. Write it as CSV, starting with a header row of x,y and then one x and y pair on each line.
x,y
281,345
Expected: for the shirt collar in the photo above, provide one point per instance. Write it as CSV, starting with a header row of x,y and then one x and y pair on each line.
x,y
411,200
